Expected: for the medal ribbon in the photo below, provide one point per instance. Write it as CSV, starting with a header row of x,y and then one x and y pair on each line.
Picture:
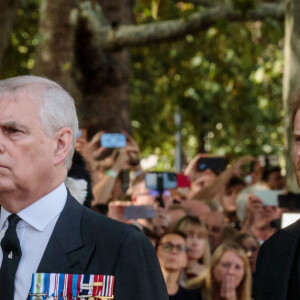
x,y
39,285
33,284
61,284
91,281
111,286
56,283
65,286
96,289
74,285
86,280
70,286
79,284
52,284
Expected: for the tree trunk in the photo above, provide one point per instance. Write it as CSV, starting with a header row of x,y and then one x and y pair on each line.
x,y
8,11
54,54
104,79
291,81
98,80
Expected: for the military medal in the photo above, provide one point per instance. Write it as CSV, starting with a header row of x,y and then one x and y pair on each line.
x,y
55,286
39,286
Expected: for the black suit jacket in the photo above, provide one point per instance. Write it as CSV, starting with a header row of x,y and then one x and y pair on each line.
x,y
84,242
275,264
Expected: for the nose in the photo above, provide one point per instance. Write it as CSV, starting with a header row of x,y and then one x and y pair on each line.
x,y
231,270
2,147
174,249
2,141
249,253
193,240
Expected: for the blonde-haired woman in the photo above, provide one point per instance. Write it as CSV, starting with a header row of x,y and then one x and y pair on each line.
x,y
229,276
198,247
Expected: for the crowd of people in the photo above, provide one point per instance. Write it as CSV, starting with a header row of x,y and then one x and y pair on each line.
x,y
206,232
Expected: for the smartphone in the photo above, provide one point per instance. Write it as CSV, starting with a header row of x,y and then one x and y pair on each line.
x,y
183,181
161,181
268,197
139,212
216,164
82,133
113,140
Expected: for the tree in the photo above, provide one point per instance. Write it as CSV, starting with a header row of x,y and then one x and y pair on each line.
x,y
7,18
84,46
291,82
76,40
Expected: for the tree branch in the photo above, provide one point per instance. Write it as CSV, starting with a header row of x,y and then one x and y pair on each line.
x,y
133,35
205,3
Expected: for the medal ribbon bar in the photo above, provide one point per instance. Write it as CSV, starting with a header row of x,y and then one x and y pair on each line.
x,y
55,286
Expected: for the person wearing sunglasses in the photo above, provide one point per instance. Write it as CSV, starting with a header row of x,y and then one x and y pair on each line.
x,y
171,251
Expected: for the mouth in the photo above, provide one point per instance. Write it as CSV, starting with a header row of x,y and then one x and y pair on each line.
x,y
193,250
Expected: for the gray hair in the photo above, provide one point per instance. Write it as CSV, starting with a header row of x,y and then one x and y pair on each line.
x,y
57,109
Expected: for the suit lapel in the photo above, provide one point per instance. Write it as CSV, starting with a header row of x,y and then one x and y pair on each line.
x,y
285,253
66,252
285,265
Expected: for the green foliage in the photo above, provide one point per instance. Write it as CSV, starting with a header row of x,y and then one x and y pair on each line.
x,y
243,5
226,82
20,54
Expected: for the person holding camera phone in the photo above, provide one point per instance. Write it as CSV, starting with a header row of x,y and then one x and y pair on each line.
x,y
209,182
141,195
107,184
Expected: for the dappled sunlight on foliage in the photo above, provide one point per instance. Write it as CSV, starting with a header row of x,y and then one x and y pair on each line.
x,y
226,82
20,54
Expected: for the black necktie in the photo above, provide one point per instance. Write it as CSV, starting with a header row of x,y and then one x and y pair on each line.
x,y
12,253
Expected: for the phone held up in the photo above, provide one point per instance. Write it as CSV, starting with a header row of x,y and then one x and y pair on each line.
x,y
217,164
134,212
82,133
161,181
113,140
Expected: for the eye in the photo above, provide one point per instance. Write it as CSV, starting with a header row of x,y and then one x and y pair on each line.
x,y
225,264
297,139
11,130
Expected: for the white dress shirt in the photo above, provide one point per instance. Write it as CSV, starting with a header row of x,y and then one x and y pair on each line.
x,y
34,231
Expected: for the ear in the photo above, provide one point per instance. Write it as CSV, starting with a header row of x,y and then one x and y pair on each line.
x,y
63,144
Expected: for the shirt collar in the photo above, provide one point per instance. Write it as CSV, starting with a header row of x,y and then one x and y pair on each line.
x,y
40,213
3,217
